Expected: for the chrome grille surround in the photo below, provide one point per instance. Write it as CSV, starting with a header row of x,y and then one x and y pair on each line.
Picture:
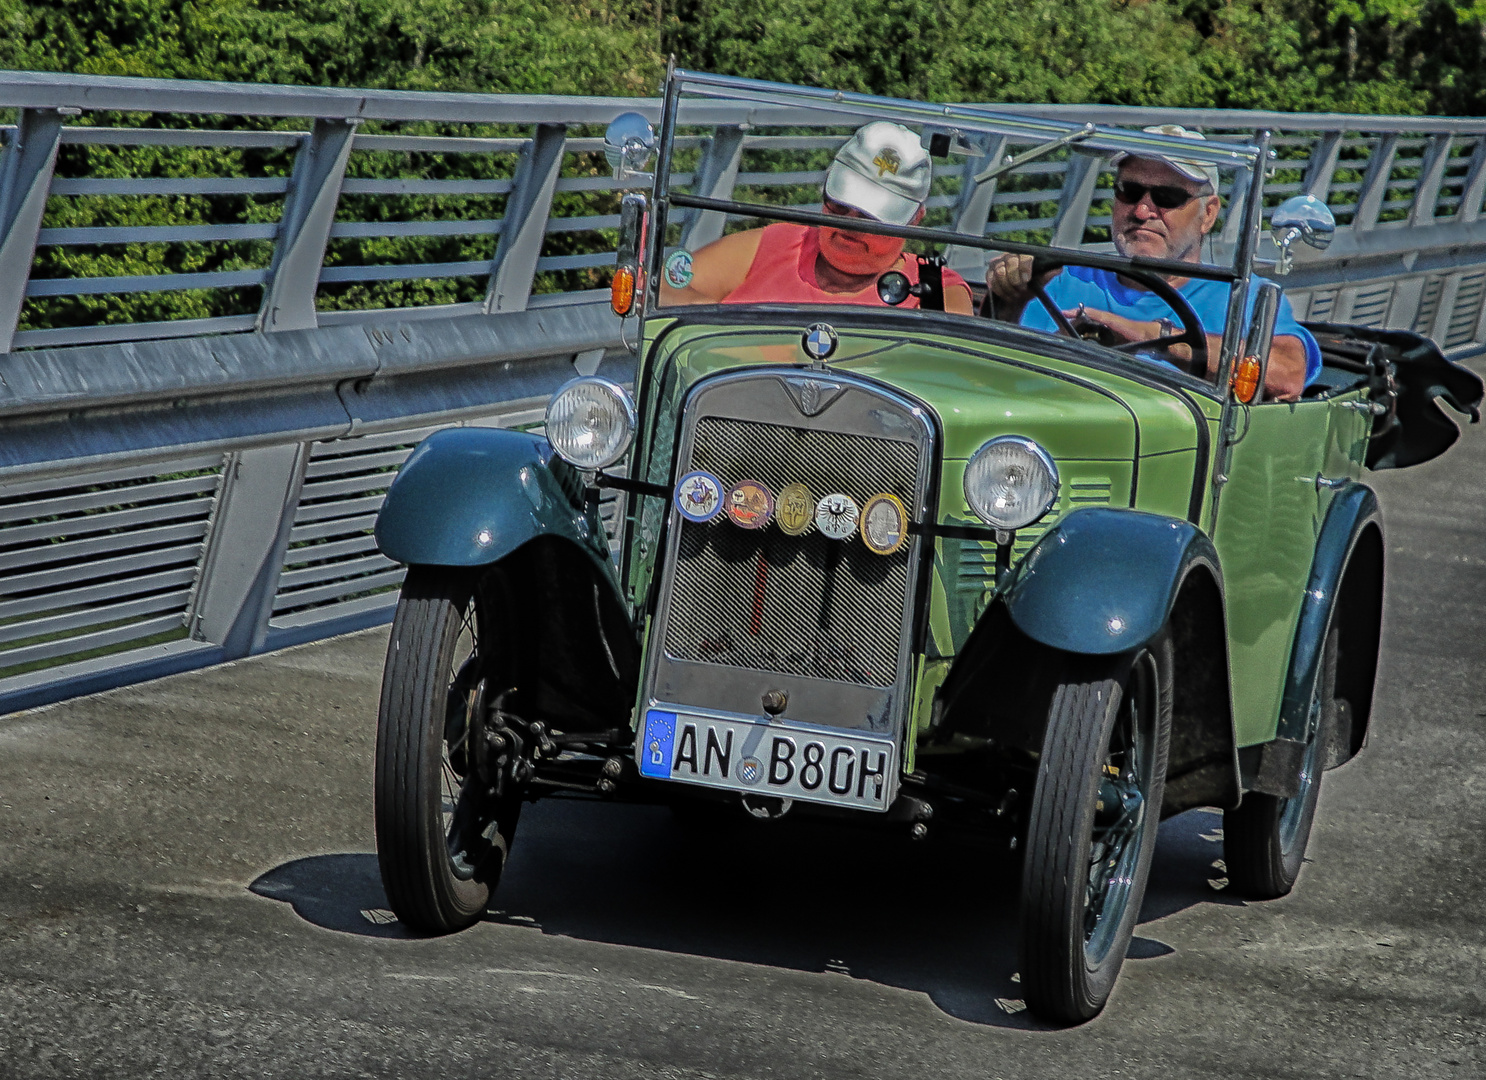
x,y
742,612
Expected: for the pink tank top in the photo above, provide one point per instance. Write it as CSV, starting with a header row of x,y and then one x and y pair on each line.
x,y
783,272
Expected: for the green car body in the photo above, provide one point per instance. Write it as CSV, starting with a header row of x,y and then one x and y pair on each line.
x,y
1121,438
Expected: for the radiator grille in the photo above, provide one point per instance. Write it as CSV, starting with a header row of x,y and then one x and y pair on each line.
x,y
805,605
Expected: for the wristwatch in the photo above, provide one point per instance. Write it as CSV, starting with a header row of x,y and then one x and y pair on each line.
x,y
1166,326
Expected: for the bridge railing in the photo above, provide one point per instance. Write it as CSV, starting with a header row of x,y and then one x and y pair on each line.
x,y
312,278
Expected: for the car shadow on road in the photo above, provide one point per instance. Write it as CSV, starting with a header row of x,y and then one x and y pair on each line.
x,y
938,918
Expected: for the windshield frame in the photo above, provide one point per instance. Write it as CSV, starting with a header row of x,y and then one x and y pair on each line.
x,y
722,98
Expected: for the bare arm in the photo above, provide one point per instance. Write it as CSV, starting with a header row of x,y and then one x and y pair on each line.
x,y
957,300
717,270
1284,380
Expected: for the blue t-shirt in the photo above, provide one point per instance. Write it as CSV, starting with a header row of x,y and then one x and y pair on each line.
x,y
1209,299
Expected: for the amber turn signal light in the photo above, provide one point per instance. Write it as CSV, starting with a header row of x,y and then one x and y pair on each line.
x,y
622,291
1246,380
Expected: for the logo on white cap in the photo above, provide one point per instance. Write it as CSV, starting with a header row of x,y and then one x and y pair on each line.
x,y
883,171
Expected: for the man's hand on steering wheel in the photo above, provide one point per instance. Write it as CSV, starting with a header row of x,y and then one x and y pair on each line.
x,y
1129,335
1011,284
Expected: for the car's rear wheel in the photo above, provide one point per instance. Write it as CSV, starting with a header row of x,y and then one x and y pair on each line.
x,y
1092,827
444,817
1264,839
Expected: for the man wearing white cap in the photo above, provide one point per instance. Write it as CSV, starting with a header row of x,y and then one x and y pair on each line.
x,y
882,173
1163,207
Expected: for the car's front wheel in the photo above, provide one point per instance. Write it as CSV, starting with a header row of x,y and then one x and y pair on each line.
x,y
444,814
1092,827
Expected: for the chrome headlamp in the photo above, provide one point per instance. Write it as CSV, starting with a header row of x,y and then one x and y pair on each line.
x,y
1010,482
591,422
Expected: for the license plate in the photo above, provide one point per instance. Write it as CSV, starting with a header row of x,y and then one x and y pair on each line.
x,y
767,759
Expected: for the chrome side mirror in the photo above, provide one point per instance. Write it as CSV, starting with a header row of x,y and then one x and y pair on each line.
x,y
1253,366
1303,217
628,144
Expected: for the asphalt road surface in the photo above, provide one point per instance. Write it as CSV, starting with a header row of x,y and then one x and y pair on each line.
x,y
188,888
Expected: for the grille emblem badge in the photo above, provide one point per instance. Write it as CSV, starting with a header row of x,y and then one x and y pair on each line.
x,y
794,510
699,496
749,505
884,524
812,396
819,341
836,516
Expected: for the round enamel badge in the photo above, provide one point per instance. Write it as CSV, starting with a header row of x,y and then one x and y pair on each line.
x,y
699,496
749,505
678,271
794,510
836,516
819,341
884,524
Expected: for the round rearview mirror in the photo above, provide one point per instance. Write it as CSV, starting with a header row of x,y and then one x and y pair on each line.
x,y
1310,218
628,144
893,288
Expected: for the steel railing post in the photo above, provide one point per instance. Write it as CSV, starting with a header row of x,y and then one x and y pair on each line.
x,y
1078,193
304,230
1322,165
244,549
1431,175
715,178
1475,184
1233,219
524,224
26,166
973,209
1375,183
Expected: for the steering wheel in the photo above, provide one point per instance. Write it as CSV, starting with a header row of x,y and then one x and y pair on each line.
x,y
1192,334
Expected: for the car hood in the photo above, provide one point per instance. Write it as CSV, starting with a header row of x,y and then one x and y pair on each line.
x,y
977,390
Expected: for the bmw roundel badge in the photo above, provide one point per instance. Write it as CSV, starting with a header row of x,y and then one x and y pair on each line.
x,y
819,341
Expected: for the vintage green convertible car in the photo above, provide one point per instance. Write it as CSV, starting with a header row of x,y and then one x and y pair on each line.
x,y
901,565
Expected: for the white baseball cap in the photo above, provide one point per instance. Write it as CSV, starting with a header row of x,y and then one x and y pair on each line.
x,y
1197,171
882,171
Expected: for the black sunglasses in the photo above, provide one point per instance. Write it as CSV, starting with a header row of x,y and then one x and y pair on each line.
x,y
1165,196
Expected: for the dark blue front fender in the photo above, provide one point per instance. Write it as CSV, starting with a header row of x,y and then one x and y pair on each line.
x,y
1103,581
1353,512
471,496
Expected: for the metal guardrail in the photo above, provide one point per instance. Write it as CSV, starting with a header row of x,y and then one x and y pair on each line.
x,y
177,493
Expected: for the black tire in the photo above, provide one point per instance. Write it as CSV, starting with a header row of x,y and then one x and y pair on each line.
x,y
442,836
1091,834
1264,839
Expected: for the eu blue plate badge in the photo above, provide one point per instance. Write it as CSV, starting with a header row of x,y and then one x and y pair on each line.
x,y
660,738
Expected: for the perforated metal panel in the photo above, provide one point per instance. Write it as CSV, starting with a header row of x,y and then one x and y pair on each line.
x,y
1467,310
1371,305
102,562
332,559
805,605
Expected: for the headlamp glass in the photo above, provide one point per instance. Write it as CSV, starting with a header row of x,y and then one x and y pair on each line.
x,y
1010,482
591,422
